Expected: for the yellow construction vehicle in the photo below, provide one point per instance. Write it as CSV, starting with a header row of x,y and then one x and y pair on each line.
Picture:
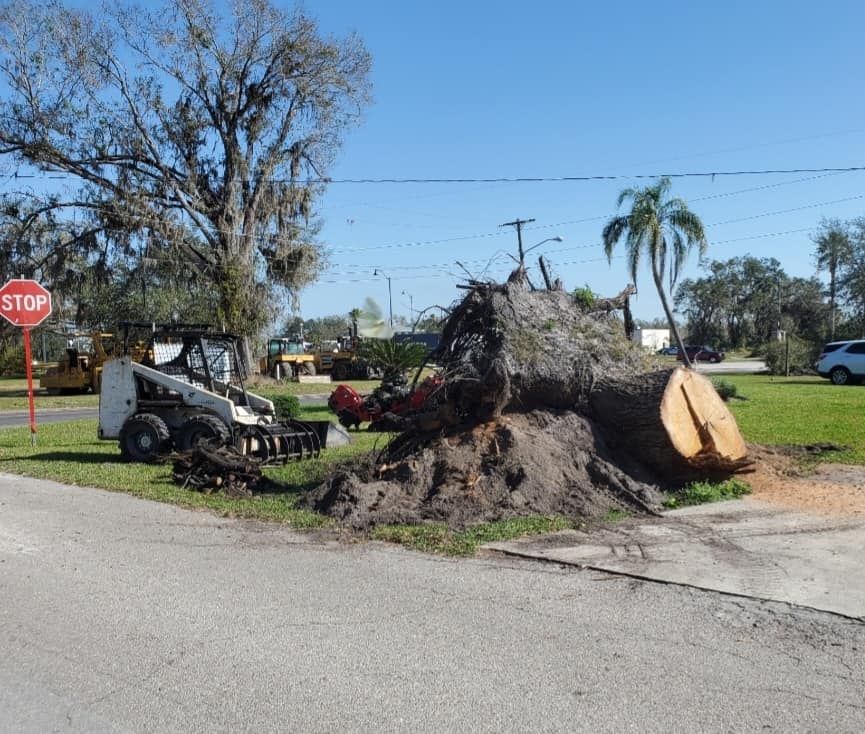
x,y
339,359
286,358
81,369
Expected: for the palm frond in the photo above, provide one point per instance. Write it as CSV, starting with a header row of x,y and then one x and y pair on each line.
x,y
624,195
612,233
680,252
633,251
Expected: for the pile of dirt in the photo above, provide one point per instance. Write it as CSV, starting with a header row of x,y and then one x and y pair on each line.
x,y
538,462
546,407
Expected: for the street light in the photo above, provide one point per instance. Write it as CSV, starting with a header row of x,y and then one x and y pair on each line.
x,y
410,307
389,297
557,238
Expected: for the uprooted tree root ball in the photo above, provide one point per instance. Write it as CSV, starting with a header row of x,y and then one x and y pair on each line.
x,y
545,408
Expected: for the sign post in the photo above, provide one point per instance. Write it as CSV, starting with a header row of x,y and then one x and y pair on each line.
x,y
25,303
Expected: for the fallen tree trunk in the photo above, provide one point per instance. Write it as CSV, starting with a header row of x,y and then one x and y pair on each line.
x,y
672,420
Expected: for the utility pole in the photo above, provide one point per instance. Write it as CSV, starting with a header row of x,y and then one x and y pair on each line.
x,y
545,272
518,223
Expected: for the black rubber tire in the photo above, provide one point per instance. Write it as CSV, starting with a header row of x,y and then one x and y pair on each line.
x,y
144,437
341,371
347,419
201,427
279,371
307,368
840,376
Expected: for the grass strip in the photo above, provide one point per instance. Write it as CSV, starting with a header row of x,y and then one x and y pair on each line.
x,y
438,538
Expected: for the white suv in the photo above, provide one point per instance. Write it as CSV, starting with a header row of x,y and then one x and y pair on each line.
x,y
842,362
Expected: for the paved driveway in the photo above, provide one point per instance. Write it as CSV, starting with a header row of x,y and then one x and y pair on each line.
x,y
745,547
733,366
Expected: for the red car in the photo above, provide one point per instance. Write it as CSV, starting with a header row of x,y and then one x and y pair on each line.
x,y
702,354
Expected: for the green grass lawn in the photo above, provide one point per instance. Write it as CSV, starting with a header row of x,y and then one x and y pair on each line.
x,y
801,411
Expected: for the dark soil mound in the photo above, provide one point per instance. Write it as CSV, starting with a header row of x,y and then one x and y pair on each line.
x,y
541,462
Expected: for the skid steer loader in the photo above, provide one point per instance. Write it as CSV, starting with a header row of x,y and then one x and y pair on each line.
x,y
189,387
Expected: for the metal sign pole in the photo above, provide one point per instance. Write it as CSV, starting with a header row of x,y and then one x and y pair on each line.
x,y
28,361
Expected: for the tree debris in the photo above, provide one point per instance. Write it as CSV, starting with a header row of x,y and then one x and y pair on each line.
x,y
544,409
209,467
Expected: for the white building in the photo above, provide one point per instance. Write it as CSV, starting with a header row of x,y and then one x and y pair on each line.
x,y
652,339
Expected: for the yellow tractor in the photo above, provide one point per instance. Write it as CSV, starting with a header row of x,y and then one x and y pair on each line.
x,y
286,358
81,369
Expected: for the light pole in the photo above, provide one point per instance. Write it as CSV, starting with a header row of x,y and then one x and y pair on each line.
x,y
389,296
410,308
557,238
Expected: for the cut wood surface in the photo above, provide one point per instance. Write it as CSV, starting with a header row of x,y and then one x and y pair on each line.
x,y
697,420
670,419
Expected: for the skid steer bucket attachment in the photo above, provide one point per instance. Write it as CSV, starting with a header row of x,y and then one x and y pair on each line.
x,y
279,443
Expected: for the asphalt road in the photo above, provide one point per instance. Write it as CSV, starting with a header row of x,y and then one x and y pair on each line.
x,y
118,614
733,366
11,418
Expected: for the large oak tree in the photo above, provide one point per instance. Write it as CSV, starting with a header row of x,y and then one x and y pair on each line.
x,y
174,124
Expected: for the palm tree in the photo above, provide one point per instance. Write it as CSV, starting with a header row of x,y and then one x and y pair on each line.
x,y
656,223
834,250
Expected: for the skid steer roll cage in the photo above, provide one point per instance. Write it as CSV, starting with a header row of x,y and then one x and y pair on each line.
x,y
205,359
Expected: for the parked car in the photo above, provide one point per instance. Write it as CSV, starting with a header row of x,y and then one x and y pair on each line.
x,y
702,354
842,362
669,351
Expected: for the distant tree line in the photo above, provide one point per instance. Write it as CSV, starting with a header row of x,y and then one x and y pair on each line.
x,y
744,302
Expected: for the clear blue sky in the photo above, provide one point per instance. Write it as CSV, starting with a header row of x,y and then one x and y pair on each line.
x,y
489,89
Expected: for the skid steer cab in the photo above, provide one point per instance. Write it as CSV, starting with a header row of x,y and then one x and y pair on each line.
x,y
190,387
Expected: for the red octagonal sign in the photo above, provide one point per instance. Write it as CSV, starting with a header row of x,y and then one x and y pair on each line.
x,y
24,302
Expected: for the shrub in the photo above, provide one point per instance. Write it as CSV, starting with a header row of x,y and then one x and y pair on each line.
x,y
391,357
727,390
584,298
12,361
802,355
286,406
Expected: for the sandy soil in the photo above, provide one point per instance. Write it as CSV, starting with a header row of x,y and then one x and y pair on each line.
x,y
828,489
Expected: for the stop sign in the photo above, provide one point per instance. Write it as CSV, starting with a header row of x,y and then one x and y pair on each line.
x,y
24,302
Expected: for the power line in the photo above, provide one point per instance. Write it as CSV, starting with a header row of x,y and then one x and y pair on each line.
x,y
460,238
523,179
787,211
267,238
564,179
363,269
356,269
